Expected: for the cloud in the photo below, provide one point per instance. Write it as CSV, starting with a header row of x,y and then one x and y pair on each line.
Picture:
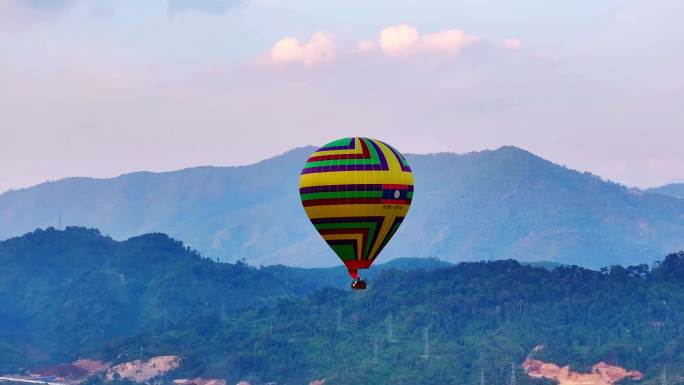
x,y
512,43
318,50
449,42
364,46
404,40
399,40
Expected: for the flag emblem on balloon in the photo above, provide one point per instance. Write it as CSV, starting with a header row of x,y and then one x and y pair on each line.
x,y
356,191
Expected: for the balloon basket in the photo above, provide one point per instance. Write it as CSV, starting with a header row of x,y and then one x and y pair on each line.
x,y
358,284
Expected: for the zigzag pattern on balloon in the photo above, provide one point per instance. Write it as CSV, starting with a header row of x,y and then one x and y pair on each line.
x,y
352,154
356,191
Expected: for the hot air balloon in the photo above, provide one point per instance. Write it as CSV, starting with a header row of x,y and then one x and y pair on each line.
x,y
356,192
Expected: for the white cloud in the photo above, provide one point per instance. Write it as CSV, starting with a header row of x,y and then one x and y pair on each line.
x,y
399,40
318,50
449,42
512,43
404,40
364,46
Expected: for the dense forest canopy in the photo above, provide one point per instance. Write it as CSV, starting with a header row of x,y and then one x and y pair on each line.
x,y
75,293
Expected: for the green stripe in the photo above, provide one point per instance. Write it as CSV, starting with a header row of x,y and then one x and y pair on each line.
x,y
371,226
341,162
374,159
371,149
345,252
338,143
341,194
409,194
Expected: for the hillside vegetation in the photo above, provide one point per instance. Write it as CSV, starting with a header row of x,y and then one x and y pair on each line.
x,y
74,293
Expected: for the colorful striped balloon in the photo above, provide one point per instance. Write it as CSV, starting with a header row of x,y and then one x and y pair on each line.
x,y
356,191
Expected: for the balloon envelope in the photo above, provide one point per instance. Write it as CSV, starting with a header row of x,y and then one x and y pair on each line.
x,y
356,192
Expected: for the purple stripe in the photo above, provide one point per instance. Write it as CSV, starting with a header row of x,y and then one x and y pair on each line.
x,y
350,146
348,187
351,167
318,221
396,154
381,155
397,222
341,187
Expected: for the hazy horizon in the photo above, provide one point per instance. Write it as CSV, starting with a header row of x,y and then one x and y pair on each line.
x,y
276,155
103,88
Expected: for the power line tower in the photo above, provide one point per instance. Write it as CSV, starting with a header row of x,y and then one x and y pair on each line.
x,y
426,343
513,379
390,330
482,379
663,377
59,222
375,349
339,317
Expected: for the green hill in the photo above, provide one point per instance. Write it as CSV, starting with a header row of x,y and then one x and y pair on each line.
x,y
75,293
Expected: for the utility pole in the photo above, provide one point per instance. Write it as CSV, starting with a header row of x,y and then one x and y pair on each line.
x,y
390,330
59,222
375,349
339,317
513,379
426,343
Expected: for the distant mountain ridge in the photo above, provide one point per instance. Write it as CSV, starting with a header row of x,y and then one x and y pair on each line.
x,y
673,189
505,203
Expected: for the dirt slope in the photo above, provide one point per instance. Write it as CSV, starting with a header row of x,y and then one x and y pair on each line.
x,y
601,373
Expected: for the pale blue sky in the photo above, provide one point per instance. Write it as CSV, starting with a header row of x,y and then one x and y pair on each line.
x,y
99,88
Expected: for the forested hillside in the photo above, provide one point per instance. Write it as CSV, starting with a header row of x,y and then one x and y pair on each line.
x,y
74,293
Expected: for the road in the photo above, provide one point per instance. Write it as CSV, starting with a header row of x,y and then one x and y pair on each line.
x,y
30,381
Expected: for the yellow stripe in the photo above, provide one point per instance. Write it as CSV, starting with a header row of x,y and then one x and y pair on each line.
x,y
357,150
356,177
386,226
357,237
358,210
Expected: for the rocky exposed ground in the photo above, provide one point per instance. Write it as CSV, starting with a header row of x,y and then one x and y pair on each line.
x,y
601,373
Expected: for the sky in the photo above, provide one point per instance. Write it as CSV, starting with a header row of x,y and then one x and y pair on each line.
x,y
100,88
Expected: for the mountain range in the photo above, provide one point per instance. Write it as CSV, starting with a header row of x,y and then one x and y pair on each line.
x,y
495,204
673,189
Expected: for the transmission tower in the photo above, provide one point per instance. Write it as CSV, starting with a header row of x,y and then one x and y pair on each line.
x,y
426,343
390,330
513,380
375,349
482,379
663,377
339,317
